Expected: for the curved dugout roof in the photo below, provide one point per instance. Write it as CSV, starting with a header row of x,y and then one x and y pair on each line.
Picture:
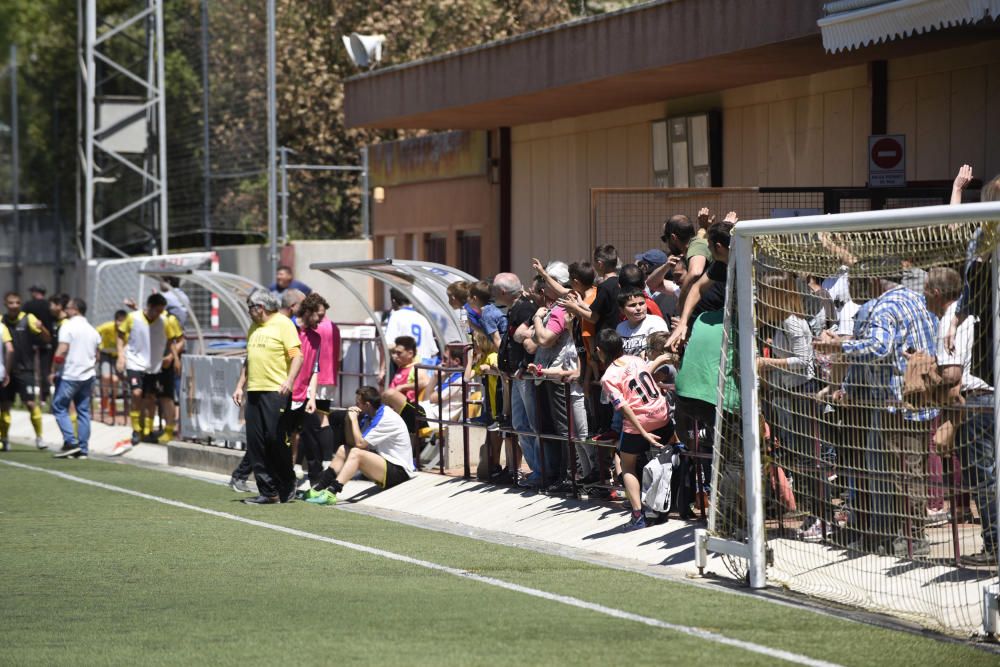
x,y
232,290
425,283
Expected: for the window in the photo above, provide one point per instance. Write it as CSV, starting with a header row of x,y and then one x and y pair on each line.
x,y
436,248
687,150
469,252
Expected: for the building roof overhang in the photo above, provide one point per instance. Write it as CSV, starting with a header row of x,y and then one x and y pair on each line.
x,y
648,53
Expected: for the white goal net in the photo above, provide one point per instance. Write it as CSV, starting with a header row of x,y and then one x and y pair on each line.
x,y
858,465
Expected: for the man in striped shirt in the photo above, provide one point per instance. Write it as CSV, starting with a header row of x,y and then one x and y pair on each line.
x,y
892,498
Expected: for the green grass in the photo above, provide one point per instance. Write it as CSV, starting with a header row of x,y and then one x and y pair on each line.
x,y
89,576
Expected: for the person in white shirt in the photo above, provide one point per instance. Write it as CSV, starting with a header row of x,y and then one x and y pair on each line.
x,y
75,362
637,324
405,321
968,427
381,449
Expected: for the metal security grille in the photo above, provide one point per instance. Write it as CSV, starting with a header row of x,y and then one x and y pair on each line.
x,y
631,219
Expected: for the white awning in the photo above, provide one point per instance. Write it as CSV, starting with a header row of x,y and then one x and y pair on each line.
x,y
850,24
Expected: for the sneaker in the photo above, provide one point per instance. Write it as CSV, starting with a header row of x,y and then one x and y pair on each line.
x,y
290,496
67,446
982,559
899,547
813,530
239,485
324,497
67,453
261,500
136,438
6,444
502,476
598,493
40,444
560,487
938,517
121,447
593,478
303,484
635,523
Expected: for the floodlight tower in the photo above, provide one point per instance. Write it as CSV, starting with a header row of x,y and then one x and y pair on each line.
x,y
121,127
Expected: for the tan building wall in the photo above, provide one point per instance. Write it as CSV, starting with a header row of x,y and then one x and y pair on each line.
x,y
806,131
412,212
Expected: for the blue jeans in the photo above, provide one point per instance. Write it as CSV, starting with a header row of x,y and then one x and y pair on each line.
x,y
78,392
976,450
522,415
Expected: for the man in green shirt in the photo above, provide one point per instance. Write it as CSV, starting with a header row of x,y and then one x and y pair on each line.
x,y
272,363
680,236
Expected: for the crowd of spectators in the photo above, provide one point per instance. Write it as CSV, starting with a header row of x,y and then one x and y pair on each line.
x,y
574,364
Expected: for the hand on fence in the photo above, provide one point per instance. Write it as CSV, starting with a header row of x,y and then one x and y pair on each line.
x,y
732,217
827,342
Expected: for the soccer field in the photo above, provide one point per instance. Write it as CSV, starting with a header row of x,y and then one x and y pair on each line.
x,y
187,574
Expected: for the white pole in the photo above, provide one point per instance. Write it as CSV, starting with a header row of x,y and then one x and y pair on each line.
x,y
272,142
161,128
996,381
90,36
750,409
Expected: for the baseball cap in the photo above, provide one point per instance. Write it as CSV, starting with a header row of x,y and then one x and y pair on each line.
x,y
653,256
559,271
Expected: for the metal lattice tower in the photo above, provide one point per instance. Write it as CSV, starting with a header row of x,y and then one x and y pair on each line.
x,y
122,130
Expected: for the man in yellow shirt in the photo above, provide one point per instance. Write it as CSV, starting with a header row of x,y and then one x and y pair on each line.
x,y
107,362
273,361
167,378
25,331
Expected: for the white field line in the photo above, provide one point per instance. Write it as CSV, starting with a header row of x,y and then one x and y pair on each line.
x,y
706,635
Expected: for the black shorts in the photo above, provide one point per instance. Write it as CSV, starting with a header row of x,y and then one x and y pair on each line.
x,y
144,382
166,381
394,475
633,443
414,417
21,384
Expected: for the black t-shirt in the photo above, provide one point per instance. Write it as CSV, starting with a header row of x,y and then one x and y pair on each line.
x,y
713,297
513,356
40,309
605,304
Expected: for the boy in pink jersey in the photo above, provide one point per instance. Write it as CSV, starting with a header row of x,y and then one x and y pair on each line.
x,y
629,382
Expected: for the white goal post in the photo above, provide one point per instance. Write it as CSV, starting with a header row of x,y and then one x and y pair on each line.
x,y
746,257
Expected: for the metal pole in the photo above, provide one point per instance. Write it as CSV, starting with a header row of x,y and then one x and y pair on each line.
x,y
90,36
366,224
272,142
15,176
283,152
996,381
206,176
750,410
161,128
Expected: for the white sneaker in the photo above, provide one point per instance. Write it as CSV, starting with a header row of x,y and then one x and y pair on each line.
x,y
40,444
121,447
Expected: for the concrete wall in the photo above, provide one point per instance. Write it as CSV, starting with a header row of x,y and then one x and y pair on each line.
x,y
343,305
251,261
804,131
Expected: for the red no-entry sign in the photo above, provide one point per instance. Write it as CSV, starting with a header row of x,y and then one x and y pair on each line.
x,y
886,160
